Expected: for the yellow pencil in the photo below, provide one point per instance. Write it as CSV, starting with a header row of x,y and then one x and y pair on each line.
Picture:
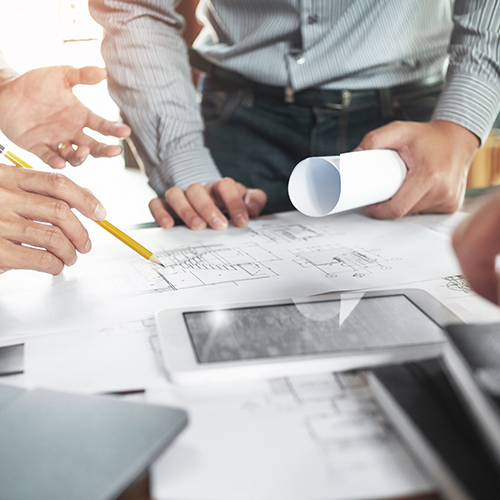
x,y
130,242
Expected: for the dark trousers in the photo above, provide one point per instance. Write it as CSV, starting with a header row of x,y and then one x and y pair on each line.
x,y
257,138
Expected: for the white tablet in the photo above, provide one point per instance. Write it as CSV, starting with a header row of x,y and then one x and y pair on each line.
x,y
332,332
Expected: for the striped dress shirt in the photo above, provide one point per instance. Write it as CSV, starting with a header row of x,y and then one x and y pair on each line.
x,y
329,44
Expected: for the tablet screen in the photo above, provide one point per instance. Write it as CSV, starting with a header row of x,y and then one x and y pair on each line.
x,y
308,328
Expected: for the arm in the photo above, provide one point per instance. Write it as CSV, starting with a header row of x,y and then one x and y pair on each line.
x,y
38,230
38,111
150,80
438,154
476,242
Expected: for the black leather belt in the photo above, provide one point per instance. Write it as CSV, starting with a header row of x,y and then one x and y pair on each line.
x,y
336,99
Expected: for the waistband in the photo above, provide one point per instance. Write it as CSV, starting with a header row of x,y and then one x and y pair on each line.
x,y
335,99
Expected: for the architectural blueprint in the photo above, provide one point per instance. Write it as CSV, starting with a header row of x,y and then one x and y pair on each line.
x,y
305,438
204,265
280,256
333,260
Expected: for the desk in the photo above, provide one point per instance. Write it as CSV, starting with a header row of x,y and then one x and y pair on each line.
x,y
40,346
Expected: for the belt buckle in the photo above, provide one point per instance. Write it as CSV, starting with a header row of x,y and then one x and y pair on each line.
x,y
346,96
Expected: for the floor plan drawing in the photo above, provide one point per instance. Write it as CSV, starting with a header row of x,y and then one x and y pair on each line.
x,y
337,411
334,260
203,265
334,421
289,233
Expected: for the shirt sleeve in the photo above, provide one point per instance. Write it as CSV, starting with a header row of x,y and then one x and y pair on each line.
x,y
471,95
150,80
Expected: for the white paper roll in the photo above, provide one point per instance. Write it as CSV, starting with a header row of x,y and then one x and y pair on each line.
x,y
320,186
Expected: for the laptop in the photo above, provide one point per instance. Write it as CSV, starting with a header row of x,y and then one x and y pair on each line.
x,y
57,445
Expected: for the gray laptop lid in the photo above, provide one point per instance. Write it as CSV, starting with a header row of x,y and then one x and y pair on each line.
x,y
56,445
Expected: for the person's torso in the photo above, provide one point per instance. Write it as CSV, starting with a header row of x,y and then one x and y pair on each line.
x,y
355,44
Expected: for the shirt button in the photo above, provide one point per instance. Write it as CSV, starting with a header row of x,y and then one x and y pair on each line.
x,y
300,60
312,19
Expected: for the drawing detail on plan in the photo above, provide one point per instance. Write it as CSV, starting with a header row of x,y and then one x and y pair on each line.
x,y
289,233
274,250
204,265
333,260
287,255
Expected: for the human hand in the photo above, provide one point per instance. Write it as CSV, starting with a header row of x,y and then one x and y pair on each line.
x,y
476,242
200,205
36,211
437,154
38,112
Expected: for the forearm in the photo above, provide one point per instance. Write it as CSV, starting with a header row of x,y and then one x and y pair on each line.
x,y
471,96
150,80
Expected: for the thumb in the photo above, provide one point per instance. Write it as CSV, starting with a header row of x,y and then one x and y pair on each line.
x,y
88,75
391,136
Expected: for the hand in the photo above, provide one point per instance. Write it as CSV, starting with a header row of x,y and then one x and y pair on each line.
x,y
38,112
200,205
476,242
30,199
437,154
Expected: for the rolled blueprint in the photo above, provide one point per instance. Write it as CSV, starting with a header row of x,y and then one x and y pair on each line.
x,y
326,185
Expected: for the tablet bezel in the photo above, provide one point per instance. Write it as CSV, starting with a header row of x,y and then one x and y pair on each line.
x,y
182,367
477,402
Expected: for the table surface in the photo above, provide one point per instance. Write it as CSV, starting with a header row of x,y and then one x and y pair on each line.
x,y
127,184
115,204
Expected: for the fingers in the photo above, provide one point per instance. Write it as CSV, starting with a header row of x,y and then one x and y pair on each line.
x,y
96,149
195,207
27,205
160,213
46,236
403,202
91,75
75,156
61,188
16,256
255,201
49,156
88,75
106,127
57,158
199,206
229,193
62,235
391,136
437,155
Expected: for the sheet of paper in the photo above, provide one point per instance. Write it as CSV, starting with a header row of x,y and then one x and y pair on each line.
x,y
310,437
454,292
120,358
320,186
286,255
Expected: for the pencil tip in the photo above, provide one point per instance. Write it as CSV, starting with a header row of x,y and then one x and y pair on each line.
x,y
156,260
